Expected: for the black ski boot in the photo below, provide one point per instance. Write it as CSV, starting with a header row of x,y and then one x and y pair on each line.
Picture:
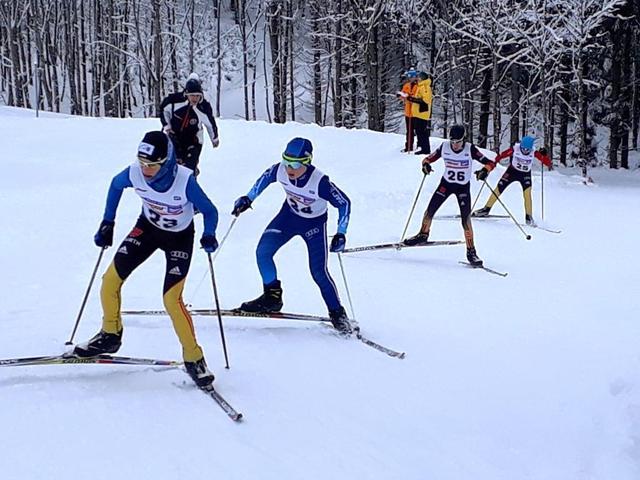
x,y
199,372
472,257
418,239
269,301
101,343
528,219
340,321
481,212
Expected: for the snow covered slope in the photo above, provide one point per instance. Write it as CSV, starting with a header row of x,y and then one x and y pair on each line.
x,y
532,376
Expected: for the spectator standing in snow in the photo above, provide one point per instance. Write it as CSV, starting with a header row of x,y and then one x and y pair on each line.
x,y
409,89
421,101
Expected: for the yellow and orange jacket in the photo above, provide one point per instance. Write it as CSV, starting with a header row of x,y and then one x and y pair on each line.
x,y
421,100
410,89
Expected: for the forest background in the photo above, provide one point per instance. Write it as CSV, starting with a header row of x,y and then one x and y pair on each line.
x,y
566,71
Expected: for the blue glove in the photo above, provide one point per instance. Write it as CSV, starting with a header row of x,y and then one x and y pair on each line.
x,y
209,243
104,236
241,204
338,242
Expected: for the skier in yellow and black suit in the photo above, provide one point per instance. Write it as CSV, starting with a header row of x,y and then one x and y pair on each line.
x,y
521,157
169,193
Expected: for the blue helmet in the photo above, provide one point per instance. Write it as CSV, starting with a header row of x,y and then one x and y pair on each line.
x,y
527,142
298,150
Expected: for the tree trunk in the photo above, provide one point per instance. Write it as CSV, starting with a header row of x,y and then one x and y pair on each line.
x,y
338,99
273,16
155,83
485,102
514,121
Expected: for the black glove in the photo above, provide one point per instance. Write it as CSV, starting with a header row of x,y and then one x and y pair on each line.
x,y
482,174
543,151
104,236
241,204
209,243
338,242
426,168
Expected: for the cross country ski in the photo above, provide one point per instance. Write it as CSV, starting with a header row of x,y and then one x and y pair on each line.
x,y
486,269
401,245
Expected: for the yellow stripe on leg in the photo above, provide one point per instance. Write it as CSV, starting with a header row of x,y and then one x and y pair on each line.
x,y
492,199
528,204
110,299
182,323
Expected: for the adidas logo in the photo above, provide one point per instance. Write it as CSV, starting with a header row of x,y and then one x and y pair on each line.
x,y
175,271
123,250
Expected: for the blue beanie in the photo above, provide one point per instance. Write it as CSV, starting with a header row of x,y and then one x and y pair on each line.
x,y
527,142
298,149
411,73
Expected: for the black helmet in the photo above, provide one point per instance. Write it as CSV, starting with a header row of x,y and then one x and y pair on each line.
x,y
423,75
456,132
193,84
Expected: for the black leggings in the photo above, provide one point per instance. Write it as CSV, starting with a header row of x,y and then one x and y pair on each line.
x,y
144,239
512,175
462,193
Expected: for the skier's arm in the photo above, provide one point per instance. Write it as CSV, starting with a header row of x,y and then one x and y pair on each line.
x,y
502,155
118,184
267,178
166,110
196,195
543,157
209,121
428,160
433,156
336,197
477,155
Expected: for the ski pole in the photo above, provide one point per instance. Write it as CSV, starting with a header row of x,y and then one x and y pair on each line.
x,y
215,296
233,222
526,235
477,197
542,189
204,274
86,296
476,200
346,286
413,207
